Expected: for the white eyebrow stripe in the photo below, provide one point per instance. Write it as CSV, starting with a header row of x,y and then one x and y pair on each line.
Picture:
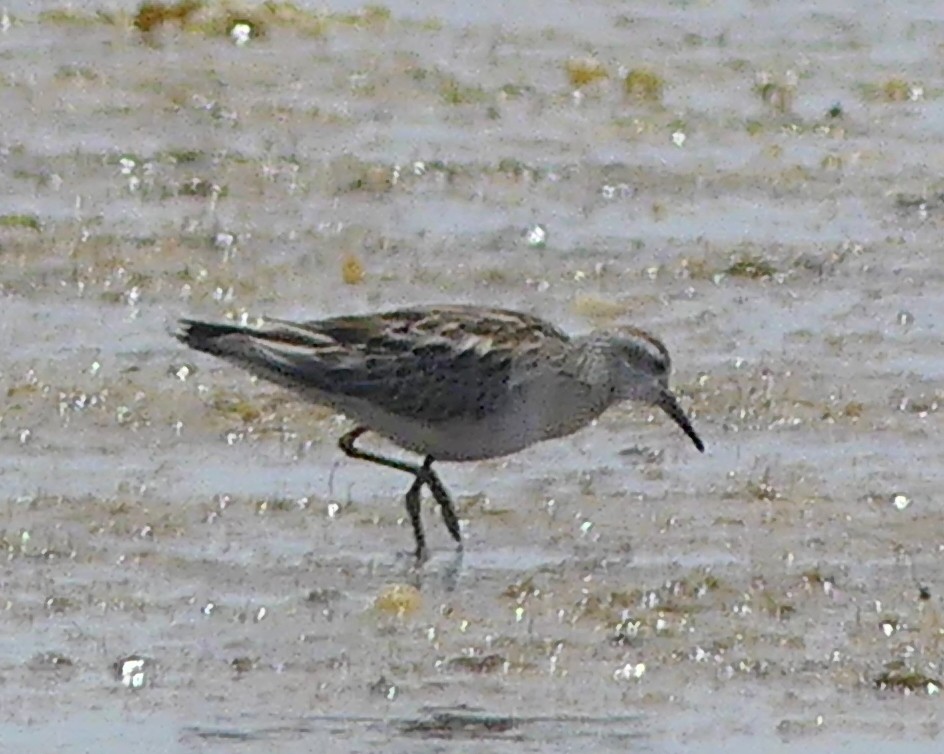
x,y
653,347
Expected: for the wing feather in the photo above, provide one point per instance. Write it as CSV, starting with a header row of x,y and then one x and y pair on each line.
x,y
430,364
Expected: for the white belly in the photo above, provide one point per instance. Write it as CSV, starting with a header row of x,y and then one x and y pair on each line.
x,y
523,423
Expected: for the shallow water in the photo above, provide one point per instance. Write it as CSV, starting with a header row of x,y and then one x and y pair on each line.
x,y
617,590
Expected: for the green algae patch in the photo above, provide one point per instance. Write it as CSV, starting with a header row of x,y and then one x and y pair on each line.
x,y
644,85
28,222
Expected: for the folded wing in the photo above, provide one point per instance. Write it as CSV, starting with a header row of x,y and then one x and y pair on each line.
x,y
428,364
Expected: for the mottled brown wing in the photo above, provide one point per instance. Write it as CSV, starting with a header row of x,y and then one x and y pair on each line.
x,y
431,383
432,364
452,321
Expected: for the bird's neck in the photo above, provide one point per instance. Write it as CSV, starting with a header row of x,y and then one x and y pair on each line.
x,y
592,364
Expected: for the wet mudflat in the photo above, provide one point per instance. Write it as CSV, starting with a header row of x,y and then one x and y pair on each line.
x,y
192,565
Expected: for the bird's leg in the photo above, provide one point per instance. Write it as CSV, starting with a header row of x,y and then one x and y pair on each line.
x,y
421,474
413,510
442,497
346,444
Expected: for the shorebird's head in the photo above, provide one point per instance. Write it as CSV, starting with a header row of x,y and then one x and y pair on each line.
x,y
640,367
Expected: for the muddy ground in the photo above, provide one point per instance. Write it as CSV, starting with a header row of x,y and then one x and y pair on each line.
x,y
191,565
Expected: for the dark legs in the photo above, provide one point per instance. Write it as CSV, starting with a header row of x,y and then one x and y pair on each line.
x,y
441,496
424,475
413,509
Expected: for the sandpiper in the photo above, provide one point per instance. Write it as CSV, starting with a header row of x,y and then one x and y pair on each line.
x,y
450,383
